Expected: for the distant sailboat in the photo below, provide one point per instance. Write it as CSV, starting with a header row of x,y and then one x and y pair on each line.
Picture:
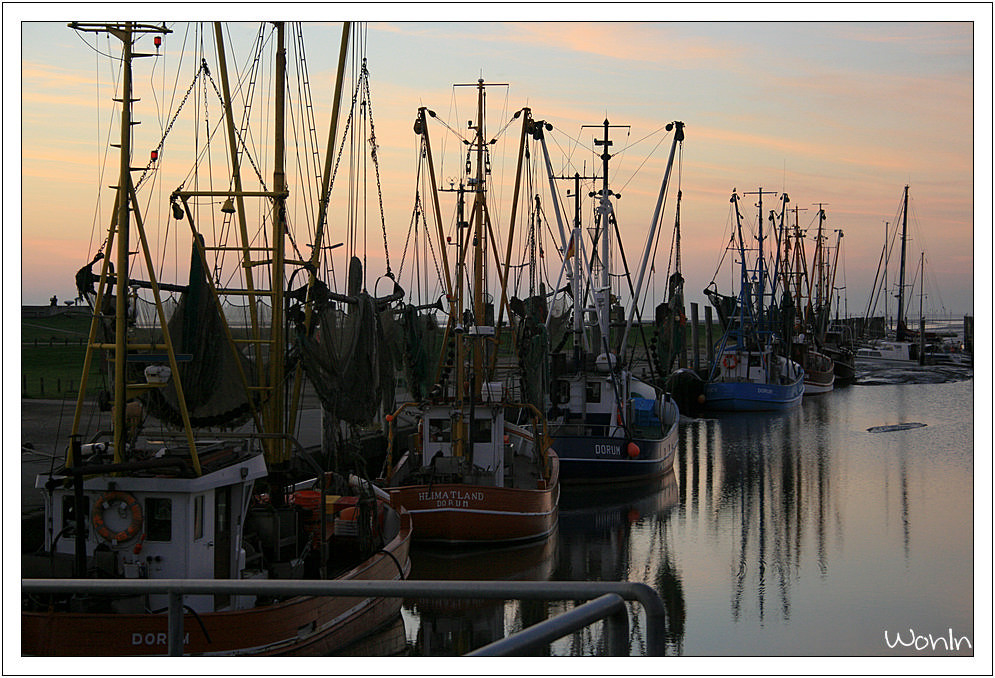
x,y
899,349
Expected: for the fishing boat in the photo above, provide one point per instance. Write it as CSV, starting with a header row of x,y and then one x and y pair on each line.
x,y
838,344
608,425
820,372
811,297
219,488
479,467
750,371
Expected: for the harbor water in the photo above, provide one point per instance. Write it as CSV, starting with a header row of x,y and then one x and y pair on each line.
x,y
844,527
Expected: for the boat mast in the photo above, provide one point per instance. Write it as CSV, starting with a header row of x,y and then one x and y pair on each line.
x,y
651,233
125,203
123,232
819,261
761,291
900,321
326,180
478,240
274,412
605,306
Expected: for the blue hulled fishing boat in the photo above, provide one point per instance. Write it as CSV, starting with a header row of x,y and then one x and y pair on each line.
x,y
607,424
750,370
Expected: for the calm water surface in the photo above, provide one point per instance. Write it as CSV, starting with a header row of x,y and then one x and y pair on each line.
x,y
798,533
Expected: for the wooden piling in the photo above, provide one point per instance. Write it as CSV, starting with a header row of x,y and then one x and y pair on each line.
x,y
694,338
709,342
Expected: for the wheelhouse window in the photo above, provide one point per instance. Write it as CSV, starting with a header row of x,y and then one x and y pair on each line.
x,y
440,430
482,430
69,515
158,519
594,391
198,516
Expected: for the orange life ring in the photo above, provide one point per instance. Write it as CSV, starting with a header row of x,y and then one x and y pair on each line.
x,y
131,506
730,361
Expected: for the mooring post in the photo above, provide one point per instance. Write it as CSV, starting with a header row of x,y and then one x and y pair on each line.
x,y
694,337
709,344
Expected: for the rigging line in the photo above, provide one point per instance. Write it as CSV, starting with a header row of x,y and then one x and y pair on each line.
x,y
411,227
315,155
376,164
639,141
645,160
288,220
570,163
238,133
160,114
507,124
169,127
106,147
94,48
455,132
431,249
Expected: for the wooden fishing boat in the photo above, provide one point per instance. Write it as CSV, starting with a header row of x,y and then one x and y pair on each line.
x,y
820,373
503,487
480,468
607,424
838,345
202,476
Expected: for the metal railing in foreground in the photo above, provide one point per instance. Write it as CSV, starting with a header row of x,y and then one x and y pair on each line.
x,y
606,602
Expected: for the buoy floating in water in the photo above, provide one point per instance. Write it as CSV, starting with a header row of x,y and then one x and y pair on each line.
x,y
895,427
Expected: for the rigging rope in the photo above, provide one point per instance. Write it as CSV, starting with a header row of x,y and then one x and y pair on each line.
x,y
365,79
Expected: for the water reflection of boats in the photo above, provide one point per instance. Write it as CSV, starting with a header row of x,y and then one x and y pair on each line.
x,y
596,524
619,533
459,625
769,486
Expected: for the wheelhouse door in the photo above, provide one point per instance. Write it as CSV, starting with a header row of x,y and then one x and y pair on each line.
x,y
222,541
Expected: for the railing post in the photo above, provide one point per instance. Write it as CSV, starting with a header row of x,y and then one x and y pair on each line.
x,y
175,624
617,633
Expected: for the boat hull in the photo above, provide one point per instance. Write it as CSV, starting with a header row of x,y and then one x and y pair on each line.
x,y
458,513
303,625
595,459
818,382
745,396
844,371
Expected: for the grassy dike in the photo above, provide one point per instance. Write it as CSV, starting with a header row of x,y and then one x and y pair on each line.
x,y
53,349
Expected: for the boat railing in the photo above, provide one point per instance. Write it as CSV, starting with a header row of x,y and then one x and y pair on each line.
x,y
605,601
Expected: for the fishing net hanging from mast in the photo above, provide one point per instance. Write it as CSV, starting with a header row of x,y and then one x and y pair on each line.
x,y
211,378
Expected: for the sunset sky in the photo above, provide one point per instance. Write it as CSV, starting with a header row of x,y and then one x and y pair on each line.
x,y
839,113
